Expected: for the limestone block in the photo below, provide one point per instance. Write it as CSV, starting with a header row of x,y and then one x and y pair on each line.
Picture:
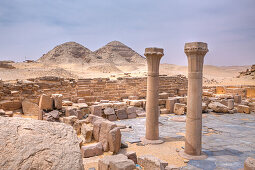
x,y
238,99
243,109
106,127
94,149
83,93
57,101
104,163
164,111
46,102
77,126
70,111
81,101
162,102
120,105
70,120
9,105
97,128
133,97
67,103
36,144
112,117
96,110
249,164
106,105
114,140
136,103
92,118
132,155
218,107
170,105
109,111
122,165
30,108
230,103
179,109
140,112
87,131
150,162
131,112
121,114
163,95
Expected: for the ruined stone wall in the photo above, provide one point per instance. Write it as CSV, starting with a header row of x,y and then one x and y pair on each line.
x,y
92,90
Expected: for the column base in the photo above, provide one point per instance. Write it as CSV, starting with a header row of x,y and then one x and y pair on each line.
x,y
192,157
151,142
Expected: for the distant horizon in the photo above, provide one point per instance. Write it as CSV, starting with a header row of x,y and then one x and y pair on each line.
x,y
29,29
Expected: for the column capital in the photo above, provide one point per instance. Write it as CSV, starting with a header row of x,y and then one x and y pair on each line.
x,y
154,51
195,48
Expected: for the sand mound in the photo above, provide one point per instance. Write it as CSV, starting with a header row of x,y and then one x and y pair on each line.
x,y
106,68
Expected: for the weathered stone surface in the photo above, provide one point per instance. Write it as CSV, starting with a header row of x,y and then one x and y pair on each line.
x,y
104,163
249,164
243,109
150,162
30,108
81,101
87,131
121,114
136,103
109,111
70,111
34,144
133,97
120,105
96,128
132,155
218,107
140,112
237,98
94,149
106,127
126,164
164,111
9,105
179,109
112,117
57,101
67,103
46,102
96,110
70,120
114,140
131,112
92,118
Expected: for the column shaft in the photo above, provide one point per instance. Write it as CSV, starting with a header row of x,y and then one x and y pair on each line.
x,y
195,52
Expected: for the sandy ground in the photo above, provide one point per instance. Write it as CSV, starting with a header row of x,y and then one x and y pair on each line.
x,y
213,75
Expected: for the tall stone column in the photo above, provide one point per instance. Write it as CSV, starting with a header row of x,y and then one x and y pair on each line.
x,y
153,56
195,52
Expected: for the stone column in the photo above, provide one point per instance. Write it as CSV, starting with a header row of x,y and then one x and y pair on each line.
x,y
153,56
195,52
230,104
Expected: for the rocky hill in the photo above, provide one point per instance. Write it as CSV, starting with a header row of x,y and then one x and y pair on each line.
x,y
248,72
118,53
69,52
114,52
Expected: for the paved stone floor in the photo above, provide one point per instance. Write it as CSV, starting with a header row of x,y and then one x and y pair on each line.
x,y
228,139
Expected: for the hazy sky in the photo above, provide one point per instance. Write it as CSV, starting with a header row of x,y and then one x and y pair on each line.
x,y
30,28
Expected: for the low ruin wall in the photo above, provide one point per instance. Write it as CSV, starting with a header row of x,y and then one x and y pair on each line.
x,y
92,90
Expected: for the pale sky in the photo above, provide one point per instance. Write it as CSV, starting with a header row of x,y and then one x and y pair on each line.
x,y
30,28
